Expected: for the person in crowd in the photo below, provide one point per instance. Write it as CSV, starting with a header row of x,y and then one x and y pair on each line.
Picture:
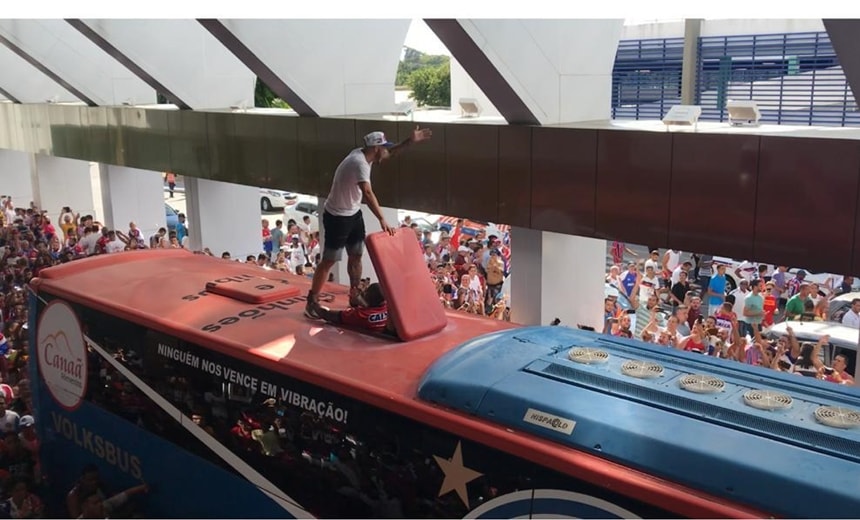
x,y
93,505
838,373
170,179
852,317
372,315
342,218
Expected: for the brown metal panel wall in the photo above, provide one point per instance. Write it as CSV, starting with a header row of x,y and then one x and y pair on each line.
x,y
713,193
807,202
308,181
472,156
37,120
515,175
423,179
146,142
189,143
806,189
66,132
223,148
335,139
564,165
281,142
634,170
385,177
94,124
251,157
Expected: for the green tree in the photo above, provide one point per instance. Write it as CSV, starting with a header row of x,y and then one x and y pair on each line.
x,y
431,86
414,60
265,98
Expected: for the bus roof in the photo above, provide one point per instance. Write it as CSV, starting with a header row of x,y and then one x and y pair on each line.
x,y
164,290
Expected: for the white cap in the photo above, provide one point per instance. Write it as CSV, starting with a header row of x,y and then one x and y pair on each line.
x,y
377,139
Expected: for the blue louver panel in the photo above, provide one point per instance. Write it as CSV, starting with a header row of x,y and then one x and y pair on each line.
x,y
795,78
646,79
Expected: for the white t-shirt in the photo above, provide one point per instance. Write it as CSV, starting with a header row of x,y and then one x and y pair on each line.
x,y
654,264
851,319
89,242
674,259
740,300
647,287
676,274
344,199
297,256
9,421
114,246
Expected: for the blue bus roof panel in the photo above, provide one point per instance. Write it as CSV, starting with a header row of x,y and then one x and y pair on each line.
x,y
712,441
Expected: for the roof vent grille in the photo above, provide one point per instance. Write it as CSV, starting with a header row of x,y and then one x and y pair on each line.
x,y
767,400
642,369
588,355
702,384
837,417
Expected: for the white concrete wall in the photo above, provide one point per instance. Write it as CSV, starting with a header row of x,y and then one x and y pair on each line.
x,y
723,27
223,217
130,194
26,83
557,276
184,57
16,177
66,182
463,86
561,69
69,54
338,67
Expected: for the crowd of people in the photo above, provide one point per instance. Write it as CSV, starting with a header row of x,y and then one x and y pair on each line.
x,y
687,305
29,243
468,267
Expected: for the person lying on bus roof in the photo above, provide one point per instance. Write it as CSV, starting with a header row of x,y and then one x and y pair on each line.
x,y
369,313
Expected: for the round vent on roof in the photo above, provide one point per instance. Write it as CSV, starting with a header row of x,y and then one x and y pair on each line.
x,y
767,399
837,417
702,384
641,369
588,355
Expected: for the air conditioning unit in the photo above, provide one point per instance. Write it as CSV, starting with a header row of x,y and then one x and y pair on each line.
x,y
469,107
743,112
682,115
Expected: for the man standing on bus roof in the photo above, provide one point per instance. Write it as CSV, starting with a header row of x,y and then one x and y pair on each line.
x,y
343,222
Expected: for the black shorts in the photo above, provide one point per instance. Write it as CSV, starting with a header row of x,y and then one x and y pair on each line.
x,y
343,232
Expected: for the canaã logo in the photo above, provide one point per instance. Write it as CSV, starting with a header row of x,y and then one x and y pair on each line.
x,y
62,354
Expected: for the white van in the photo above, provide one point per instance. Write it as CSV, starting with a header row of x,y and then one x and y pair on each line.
x,y
843,339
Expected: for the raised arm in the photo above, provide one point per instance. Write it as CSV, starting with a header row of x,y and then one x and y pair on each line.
x,y
418,135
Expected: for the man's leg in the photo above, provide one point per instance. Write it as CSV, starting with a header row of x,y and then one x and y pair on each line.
x,y
336,233
355,250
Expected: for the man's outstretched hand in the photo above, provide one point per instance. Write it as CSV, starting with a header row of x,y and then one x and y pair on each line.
x,y
421,134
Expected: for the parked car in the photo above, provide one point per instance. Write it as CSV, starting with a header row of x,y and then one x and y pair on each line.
x,y
840,305
843,339
171,216
822,279
301,208
472,227
271,200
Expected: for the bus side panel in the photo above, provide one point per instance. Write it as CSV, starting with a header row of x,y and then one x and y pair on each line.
x,y
127,456
335,456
